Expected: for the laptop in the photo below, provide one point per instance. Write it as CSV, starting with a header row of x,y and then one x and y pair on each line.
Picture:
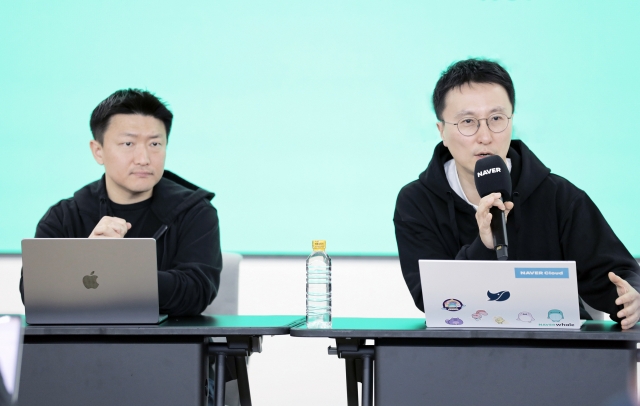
x,y
90,281
11,333
500,294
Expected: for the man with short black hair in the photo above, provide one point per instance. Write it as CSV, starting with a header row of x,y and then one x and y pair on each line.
x,y
138,198
442,216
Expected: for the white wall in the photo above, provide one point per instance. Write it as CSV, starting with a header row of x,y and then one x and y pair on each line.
x,y
292,368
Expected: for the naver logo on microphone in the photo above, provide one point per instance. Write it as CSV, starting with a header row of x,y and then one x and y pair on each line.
x,y
488,171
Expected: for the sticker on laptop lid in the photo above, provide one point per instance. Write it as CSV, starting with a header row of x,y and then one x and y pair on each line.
x,y
499,320
498,297
525,316
452,305
454,321
477,316
547,273
555,315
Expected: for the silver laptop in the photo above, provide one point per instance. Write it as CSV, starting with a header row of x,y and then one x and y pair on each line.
x,y
90,281
500,294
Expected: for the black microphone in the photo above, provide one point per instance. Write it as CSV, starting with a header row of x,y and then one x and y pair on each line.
x,y
492,176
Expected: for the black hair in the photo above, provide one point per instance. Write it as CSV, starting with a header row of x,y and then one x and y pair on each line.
x,y
471,71
128,101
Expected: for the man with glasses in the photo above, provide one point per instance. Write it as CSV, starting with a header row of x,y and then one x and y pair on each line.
x,y
442,216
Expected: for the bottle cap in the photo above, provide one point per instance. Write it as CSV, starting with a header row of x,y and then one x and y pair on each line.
x,y
319,245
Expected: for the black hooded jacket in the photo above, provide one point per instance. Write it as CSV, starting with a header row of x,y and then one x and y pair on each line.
x,y
552,220
187,242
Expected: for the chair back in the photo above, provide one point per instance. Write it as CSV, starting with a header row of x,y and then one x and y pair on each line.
x,y
226,302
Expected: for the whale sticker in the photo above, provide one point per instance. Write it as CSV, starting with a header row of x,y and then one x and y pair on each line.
x,y
555,315
452,305
499,297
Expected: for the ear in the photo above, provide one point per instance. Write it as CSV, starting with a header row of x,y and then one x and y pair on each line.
x,y
440,126
97,151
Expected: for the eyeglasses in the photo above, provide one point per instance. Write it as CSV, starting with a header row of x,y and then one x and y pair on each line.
x,y
468,126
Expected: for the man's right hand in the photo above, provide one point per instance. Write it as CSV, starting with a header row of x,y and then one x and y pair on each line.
x,y
110,227
483,216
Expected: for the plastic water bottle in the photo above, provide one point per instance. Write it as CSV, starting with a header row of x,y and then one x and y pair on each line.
x,y
319,287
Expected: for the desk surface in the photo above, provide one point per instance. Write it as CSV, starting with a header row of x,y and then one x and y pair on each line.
x,y
209,326
371,328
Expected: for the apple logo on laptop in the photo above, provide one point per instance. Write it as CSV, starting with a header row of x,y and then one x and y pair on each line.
x,y
90,281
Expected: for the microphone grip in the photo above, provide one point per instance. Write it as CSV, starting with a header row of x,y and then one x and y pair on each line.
x,y
499,231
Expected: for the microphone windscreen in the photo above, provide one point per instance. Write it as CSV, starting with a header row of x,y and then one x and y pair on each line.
x,y
491,176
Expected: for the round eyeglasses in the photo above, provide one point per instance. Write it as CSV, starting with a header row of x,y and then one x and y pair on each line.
x,y
468,126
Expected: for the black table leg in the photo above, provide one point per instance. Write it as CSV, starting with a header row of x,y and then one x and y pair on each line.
x,y
352,382
218,391
367,380
243,381
239,348
358,359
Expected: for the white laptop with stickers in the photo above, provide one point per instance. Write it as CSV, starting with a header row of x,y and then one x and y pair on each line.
x,y
500,294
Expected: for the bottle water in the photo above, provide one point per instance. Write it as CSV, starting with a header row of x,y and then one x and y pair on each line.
x,y
319,287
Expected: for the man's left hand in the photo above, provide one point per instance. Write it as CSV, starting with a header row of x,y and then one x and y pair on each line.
x,y
630,298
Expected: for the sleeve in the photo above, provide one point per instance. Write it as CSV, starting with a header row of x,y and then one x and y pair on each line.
x,y
476,251
192,279
587,238
415,242
419,236
50,226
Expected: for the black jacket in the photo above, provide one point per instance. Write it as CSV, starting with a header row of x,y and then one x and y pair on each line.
x,y
552,220
188,242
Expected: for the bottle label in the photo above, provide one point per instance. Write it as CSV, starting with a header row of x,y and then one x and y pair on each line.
x,y
319,245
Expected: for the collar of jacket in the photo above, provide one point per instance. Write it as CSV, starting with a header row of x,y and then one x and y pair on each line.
x,y
171,196
527,173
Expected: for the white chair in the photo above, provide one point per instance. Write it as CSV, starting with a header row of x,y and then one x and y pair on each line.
x,y
227,300
595,314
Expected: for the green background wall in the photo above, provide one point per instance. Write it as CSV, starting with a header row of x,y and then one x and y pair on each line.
x,y
306,118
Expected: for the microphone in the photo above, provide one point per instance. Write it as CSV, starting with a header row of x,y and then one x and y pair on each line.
x,y
492,176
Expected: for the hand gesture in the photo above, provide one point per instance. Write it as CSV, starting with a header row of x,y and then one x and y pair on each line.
x,y
630,298
483,216
110,227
